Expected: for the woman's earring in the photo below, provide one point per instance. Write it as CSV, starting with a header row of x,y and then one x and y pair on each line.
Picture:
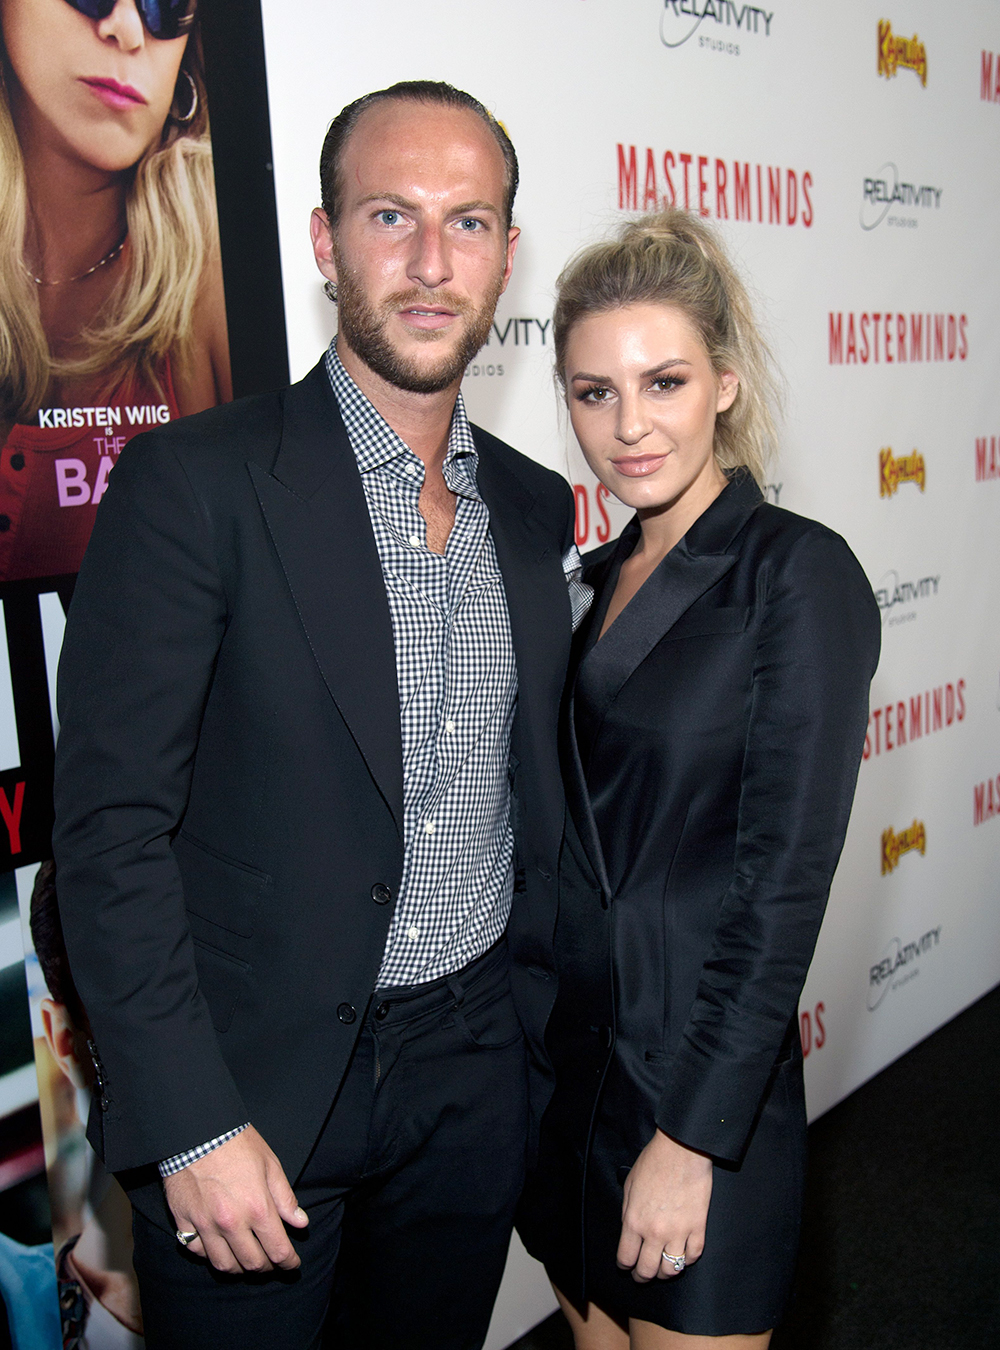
x,y
331,290
183,119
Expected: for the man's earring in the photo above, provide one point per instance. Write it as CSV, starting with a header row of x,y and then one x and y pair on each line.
x,y
331,291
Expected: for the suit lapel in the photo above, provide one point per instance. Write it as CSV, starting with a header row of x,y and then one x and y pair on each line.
x,y
536,595
317,515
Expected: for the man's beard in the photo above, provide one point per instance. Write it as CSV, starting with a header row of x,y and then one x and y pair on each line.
x,y
363,328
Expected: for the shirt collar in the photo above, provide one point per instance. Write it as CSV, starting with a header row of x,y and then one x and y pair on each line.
x,y
375,444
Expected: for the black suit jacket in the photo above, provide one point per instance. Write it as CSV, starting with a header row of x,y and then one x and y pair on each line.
x,y
229,772
714,741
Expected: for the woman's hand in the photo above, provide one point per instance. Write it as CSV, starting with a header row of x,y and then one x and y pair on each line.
x,y
665,1208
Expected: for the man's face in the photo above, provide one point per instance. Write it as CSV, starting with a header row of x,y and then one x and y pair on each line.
x,y
421,253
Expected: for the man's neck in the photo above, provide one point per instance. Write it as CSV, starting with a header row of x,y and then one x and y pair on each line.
x,y
423,421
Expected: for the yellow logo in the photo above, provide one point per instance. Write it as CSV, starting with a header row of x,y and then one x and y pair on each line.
x,y
912,839
894,52
906,469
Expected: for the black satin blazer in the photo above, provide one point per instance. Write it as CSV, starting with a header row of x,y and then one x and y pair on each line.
x,y
714,737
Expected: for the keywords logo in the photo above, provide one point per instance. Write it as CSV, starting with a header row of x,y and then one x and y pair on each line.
x,y
987,468
884,190
781,194
985,801
894,52
907,469
519,332
864,339
891,592
883,976
812,1040
933,710
989,89
681,19
912,840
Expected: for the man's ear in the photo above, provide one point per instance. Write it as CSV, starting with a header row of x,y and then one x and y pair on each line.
x,y
63,1037
322,242
513,235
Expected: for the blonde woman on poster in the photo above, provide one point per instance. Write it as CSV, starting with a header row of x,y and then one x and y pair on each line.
x,y
111,304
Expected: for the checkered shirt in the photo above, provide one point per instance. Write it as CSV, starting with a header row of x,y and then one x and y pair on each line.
x,y
457,681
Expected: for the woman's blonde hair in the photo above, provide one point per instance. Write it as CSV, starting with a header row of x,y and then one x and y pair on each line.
x,y
674,258
172,234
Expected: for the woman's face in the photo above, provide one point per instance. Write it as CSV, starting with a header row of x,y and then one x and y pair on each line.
x,y
643,399
98,90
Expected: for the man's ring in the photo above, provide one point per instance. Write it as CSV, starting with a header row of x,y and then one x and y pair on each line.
x,y
184,1238
678,1262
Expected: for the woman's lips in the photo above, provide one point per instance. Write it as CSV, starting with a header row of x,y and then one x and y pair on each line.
x,y
114,95
638,466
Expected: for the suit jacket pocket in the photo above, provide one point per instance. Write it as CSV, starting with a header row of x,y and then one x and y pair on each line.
x,y
222,979
221,890
710,622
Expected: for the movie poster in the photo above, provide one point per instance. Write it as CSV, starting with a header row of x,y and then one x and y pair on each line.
x,y
112,321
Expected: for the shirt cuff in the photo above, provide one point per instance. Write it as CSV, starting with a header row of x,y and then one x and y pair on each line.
x,y
580,594
169,1166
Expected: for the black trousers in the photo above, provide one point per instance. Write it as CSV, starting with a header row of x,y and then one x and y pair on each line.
x,y
410,1192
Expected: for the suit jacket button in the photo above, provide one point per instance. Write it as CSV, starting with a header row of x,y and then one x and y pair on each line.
x,y
381,893
346,1013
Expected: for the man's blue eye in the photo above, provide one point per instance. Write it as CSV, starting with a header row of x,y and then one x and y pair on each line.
x,y
470,224
388,217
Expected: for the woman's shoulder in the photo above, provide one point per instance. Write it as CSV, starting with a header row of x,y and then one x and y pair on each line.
x,y
782,534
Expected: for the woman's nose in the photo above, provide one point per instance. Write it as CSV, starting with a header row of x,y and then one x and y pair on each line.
x,y
633,422
124,26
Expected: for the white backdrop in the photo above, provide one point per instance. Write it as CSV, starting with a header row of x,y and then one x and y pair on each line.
x,y
861,203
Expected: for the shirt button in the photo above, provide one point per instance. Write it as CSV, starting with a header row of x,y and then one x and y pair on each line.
x,y
428,824
381,893
413,933
449,726
415,540
17,461
412,470
346,1013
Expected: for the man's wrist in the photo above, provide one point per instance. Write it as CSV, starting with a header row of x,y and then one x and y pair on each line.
x,y
171,1166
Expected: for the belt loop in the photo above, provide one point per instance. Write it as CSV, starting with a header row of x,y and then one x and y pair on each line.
x,y
458,994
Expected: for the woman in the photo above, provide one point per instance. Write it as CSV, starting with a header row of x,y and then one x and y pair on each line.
x,y
714,730
111,304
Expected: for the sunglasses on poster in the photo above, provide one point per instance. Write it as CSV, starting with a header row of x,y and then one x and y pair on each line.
x,y
161,18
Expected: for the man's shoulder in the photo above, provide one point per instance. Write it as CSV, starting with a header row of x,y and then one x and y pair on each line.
x,y
246,429
534,477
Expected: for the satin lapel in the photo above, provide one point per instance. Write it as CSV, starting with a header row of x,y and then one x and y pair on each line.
x,y
578,798
317,515
603,578
680,580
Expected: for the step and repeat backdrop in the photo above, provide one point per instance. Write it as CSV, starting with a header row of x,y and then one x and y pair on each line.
x,y
849,154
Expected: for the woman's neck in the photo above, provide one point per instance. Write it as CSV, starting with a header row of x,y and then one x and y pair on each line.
x,y
665,526
76,212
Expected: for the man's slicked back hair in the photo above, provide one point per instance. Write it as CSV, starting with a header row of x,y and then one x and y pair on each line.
x,y
407,91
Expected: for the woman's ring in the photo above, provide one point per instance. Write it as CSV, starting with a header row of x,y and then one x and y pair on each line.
x,y
678,1262
184,1238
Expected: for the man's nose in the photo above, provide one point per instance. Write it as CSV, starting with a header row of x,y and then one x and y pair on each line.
x,y
430,263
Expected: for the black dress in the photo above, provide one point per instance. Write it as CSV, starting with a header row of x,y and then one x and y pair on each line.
x,y
711,747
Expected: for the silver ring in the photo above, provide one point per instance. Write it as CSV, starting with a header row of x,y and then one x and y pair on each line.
x,y
184,1238
678,1262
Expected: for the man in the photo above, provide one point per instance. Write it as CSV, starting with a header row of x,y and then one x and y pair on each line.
x,y
308,696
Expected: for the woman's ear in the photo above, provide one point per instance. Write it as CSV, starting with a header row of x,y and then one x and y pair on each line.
x,y
729,387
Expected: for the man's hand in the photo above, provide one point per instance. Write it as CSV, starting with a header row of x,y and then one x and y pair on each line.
x,y
237,1200
665,1208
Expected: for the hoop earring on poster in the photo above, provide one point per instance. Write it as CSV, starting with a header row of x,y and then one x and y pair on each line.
x,y
330,287
183,119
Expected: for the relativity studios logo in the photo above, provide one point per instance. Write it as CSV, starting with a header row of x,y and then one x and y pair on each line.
x,y
898,599
885,974
884,192
906,469
681,19
893,52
